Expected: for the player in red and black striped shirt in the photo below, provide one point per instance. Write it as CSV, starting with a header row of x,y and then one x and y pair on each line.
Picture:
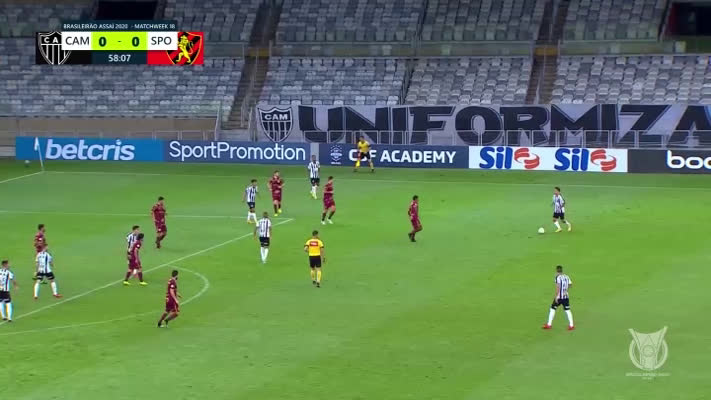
x,y
134,262
413,213
172,305
158,212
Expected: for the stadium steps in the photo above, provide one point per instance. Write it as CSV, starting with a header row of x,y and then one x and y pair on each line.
x,y
545,59
256,65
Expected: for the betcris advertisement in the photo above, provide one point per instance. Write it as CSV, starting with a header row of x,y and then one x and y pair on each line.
x,y
26,148
193,151
397,156
548,159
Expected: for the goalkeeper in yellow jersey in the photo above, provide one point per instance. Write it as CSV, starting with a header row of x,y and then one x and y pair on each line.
x,y
363,154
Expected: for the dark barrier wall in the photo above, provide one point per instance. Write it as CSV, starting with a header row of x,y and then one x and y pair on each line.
x,y
669,161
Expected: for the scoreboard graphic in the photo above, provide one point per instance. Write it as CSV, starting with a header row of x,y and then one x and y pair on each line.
x,y
120,42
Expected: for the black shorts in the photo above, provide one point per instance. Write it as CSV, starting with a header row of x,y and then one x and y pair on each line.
x,y
5,297
561,302
560,216
44,275
264,241
315,181
364,155
315,261
251,205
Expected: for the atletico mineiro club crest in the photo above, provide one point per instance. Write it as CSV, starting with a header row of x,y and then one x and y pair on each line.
x,y
189,49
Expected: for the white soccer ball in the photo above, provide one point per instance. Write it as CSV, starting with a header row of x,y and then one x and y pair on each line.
x,y
541,230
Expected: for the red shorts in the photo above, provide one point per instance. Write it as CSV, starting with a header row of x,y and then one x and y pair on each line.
x,y
276,196
171,306
160,227
416,223
328,203
134,264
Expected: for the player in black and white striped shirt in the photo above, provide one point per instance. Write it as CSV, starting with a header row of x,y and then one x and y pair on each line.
x,y
45,264
7,280
562,285
559,210
263,230
314,174
250,197
132,237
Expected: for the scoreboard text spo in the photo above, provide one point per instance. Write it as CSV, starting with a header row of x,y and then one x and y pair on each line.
x,y
120,42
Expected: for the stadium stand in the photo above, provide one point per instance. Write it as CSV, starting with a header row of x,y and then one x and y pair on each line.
x,y
349,20
497,80
113,90
24,18
613,19
448,20
333,81
221,20
633,79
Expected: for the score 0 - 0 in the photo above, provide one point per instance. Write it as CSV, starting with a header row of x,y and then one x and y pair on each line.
x,y
117,41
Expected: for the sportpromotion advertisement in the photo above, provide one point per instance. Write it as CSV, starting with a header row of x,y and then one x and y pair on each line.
x,y
574,159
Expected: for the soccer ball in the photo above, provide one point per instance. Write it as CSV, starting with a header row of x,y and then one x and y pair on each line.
x,y
541,230
27,163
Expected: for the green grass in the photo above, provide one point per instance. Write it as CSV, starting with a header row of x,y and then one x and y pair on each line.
x,y
456,315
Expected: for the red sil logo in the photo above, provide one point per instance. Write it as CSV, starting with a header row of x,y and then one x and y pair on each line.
x,y
529,160
605,161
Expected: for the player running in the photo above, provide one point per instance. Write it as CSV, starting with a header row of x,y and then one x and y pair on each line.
x,y
45,263
158,212
7,280
276,184
172,305
250,197
559,210
134,262
39,241
413,213
562,284
328,203
314,247
363,154
314,168
264,230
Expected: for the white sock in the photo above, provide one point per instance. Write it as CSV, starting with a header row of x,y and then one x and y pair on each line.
x,y
557,224
2,311
266,253
9,311
313,190
37,286
568,223
249,216
551,314
570,317
54,287
261,252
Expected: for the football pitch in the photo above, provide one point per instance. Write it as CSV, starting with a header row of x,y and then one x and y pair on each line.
x,y
456,315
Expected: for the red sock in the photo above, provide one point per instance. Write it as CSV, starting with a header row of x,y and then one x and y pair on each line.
x,y
140,276
128,276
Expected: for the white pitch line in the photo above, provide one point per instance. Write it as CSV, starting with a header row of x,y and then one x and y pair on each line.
x,y
205,288
21,177
88,292
121,214
395,180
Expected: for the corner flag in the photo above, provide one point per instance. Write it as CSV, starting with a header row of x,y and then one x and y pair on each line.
x,y
39,152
